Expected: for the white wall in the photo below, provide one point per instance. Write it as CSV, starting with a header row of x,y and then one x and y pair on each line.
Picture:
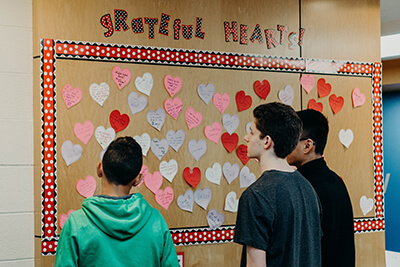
x,y
16,134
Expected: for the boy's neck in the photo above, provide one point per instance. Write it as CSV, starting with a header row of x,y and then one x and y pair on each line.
x,y
272,162
114,190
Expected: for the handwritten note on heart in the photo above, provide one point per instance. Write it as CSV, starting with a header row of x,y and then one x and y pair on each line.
x,y
156,118
286,95
243,101
64,217
357,97
229,141
153,181
197,148
312,104
241,152
307,81
213,132
206,92
144,84
214,173
336,103
173,107
192,177
84,131
221,102
186,201
144,142
192,118
165,197
86,187
231,202
202,197
323,88
159,147
99,93
248,127
215,219
230,122
346,137
175,139
262,89
118,121
246,178
121,77
169,169
103,136
136,103
71,96
70,152
366,204
231,172
172,85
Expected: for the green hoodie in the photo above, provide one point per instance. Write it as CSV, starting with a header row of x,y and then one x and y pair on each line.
x,y
116,232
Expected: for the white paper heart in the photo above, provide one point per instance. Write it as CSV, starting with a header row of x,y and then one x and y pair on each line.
x,y
203,197
246,178
159,147
175,139
102,154
346,137
215,219
169,169
186,201
248,127
70,152
231,172
214,173
144,84
230,122
206,92
156,118
197,148
136,103
366,204
231,202
286,95
104,137
99,93
144,142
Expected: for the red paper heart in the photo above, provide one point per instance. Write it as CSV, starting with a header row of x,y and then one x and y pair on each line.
x,y
312,104
323,88
336,103
230,141
118,121
192,177
243,101
241,152
262,89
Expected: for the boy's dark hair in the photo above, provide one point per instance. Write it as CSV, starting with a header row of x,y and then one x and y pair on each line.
x,y
315,127
122,160
281,123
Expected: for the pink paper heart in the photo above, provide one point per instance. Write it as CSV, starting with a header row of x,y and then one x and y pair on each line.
x,y
121,77
71,96
307,81
213,133
165,198
357,97
153,181
86,187
84,131
144,171
173,107
172,85
221,102
64,217
192,118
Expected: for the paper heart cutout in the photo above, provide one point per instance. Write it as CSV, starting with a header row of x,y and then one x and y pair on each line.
x,y
197,148
118,121
70,152
186,201
169,169
121,77
229,141
102,154
202,197
248,127
215,219
156,118
346,137
144,84
243,101
192,177
86,187
307,81
336,103
159,147
231,202
144,171
312,104
221,102
136,103
192,118
286,95
366,204
323,88
99,93
230,122
246,178
84,131
262,89
206,92
144,142
231,172
213,133
71,96
153,181
173,107
64,217
241,152
175,139
103,136
172,85
357,97
165,197
214,173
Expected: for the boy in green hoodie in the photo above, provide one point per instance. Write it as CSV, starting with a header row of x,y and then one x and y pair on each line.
x,y
117,228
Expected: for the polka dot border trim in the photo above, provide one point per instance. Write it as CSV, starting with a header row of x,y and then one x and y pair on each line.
x,y
203,235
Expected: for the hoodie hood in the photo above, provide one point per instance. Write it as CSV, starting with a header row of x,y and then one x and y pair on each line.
x,y
118,218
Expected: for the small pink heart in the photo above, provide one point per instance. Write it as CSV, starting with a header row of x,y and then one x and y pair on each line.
x,y
144,171
192,118
221,102
121,77
84,131
86,187
357,97
172,85
165,198
307,81
153,181
63,218
173,107
213,133
71,96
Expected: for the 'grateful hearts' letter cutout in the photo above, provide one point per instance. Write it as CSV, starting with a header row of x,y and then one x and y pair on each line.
x,y
169,169
103,136
214,173
246,178
366,204
175,139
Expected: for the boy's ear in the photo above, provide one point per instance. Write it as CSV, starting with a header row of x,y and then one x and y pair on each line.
x,y
137,179
267,142
99,169
308,146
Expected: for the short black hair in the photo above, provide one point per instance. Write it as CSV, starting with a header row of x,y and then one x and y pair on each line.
x,y
315,127
122,160
281,123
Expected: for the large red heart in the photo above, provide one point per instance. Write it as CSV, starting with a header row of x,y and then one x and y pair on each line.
x,y
323,88
336,103
262,89
312,104
243,101
192,177
241,152
230,141
118,121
